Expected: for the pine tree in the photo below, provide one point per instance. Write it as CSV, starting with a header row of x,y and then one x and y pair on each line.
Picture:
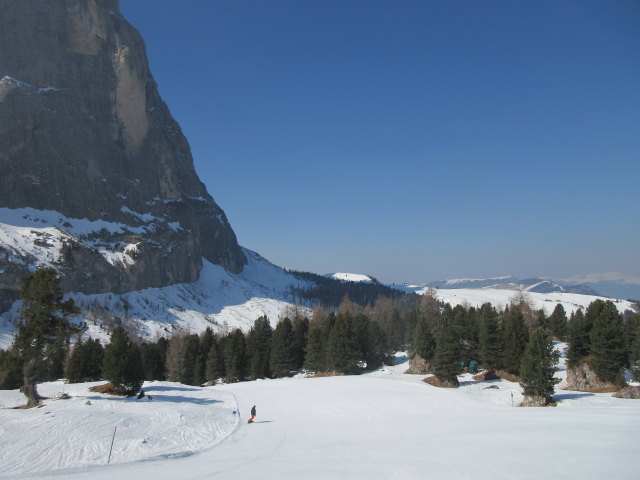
x,y
85,362
213,366
516,337
122,364
538,366
490,338
340,349
634,355
447,352
204,346
281,359
44,331
424,343
153,359
631,329
579,345
607,343
191,368
259,348
557,322
234,356
313,360
300,334
10,371
375,351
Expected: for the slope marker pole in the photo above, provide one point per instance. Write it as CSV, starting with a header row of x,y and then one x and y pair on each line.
x,y
112,440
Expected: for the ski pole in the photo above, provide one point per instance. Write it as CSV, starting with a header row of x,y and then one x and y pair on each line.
x,y
112,440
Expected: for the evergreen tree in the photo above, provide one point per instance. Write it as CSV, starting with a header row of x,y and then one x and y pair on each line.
x,y
314,354
607,343
153,359
375,352
122,364
472,329
234,356
516,337
281,359
300,334
631,329
424,343
10,371
44,331
190,367
259,348
394,332
447,352
340,350
538,366
634,355
214,364
557,323
204,346
85,362
490,338
410,322
579,345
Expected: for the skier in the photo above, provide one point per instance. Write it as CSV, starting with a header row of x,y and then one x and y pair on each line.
x,y
253,414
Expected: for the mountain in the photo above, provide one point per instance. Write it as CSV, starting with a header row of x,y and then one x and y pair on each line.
x,y
98,182
500,292
352,277
96,174
537,285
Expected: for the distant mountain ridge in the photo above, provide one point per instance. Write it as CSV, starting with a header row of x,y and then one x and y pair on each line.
x,y
537,285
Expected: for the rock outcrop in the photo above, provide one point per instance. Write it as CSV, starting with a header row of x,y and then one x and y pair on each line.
x,y
440,383
537,401
631,392
85,134
583,378
419,366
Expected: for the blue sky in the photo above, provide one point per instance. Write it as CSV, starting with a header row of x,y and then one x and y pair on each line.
x,y
412,140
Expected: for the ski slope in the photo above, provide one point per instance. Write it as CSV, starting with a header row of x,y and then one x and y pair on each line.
x,y
382,425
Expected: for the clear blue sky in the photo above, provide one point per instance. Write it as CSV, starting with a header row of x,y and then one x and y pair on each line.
x,y
412,140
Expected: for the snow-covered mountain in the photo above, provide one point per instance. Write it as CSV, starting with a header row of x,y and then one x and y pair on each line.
x,y
352,277
538,285
219,299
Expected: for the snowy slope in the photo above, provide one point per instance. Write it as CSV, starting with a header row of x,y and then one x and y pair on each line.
x,y
38,235
546,301
219,299
377,426
500,298
352,277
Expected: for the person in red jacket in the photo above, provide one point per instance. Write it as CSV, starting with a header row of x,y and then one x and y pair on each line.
x,y
253,414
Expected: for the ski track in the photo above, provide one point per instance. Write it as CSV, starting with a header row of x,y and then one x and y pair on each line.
x,y
382,425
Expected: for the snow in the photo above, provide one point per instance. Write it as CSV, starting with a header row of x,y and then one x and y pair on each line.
x,y
218,299
501,298
381,425
351,277
455,281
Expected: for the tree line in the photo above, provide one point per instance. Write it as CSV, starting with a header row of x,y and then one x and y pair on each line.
x,y
346,340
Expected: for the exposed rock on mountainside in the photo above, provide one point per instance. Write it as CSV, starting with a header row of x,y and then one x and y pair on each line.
x,y
583,378
85,136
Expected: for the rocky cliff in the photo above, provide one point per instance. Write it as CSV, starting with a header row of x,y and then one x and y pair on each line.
x,y
86,139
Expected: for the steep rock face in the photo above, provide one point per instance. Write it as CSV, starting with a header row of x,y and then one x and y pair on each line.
x,y
84,132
